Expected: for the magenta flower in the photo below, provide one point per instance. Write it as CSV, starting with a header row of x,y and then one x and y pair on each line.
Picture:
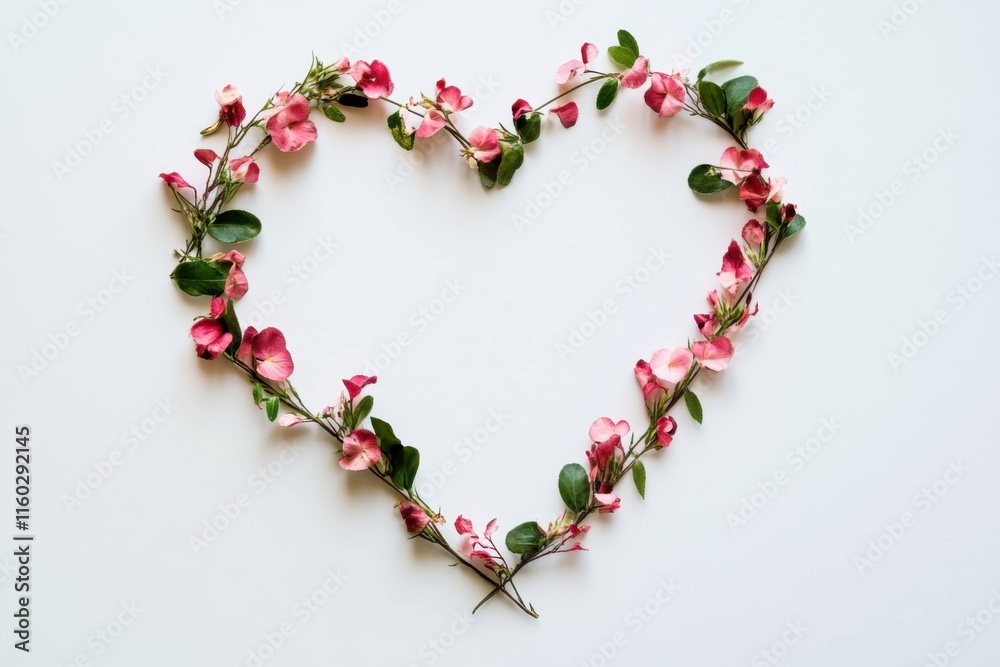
x,y
567,113
736,270
714,354
231,109
665,95
604,428
753,232
373,79
451,99
737,165
361,451
236,282
273,360
244,170
357,383
290,127
485,145
637,74
605,459
754,192
414,517
210,338
671,366
758,102
519,108
174,180
206,156
652,392
608,502
433,121
244,354
665,429
571,68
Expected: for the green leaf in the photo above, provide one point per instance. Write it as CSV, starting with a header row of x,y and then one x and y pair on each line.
x,y
606,95
639,477
510,162
622,55
626,39
737,91
706,180
404,462
232,325
525,538
272,406
363,409
529,126
574,487
693,405
258,393
772,214
385,435
713,98
488,173
795,226
334,114
399,133
199,277
234,226
718,64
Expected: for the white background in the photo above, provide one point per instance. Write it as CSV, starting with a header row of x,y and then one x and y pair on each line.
x,y
837,302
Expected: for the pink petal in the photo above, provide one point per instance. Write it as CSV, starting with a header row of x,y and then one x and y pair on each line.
x,y
273,359
357,383
716,354
671,366
636,75
463,525
243,354
289,419
519,108
491,528
414,517
236,283
609,502
567,113
588,51
361,451
568,70
206,156
206,331
174,180
433,121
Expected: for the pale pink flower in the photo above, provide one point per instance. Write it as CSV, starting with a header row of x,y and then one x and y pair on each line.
x,y
244,170
373,79
666,93
230,105
736,270
776,188
433,121
737,165
206,156
289,419
290,128
451,99
273,359
608,502
572,68
753,232
665,429
671,366
357,383
567,114
602,429
174,180
342,65
485,145
361,451
714,354
637,74
415,518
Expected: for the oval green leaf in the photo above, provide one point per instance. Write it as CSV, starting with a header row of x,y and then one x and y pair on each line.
x,y
693,405
574,487
606,95
713,99
383,431
199,277
234,226
639,477
622,55
399,133
272,406
404,461
718,64
738,91
513,158
525,538
706,180
794,226
626,39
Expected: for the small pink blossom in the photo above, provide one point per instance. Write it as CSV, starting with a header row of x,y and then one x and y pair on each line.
x,y
230,105
244,170
342,65
666,93
290,128
605,459
414,517
569,70
753,232
652,392
608,502
373,79
210,337
754,192
776,188
174,180
206,156
567,113
737,165
758,101
602,429
706,323
671,366
714,354
289,419
485,145
433,121
361,451
273,359
637,74
463,525
665,429
244,354
519,108
736,270
451,99
236,282
357,383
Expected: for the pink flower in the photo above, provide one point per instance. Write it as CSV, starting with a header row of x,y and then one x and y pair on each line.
x,y
342,65
290,128
206,156
519,108
357,383
432,122
244,354
759,102
230,105
485,145
671,366
706,323
210,338
602,429
608,502
605,459
414,517
361,451
571,68
753,232
737,165
736,269
652,392
174,180
588,52
567,113
754,192
451,98
714,354
289,419
665,95
236,282
665,429
776,189
373,79
273,360
463,525
244,170
637,74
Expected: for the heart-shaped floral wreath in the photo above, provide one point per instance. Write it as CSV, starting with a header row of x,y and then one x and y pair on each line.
x,y
735,106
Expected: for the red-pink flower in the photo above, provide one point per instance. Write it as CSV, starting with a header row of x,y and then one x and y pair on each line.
x,y
604,459
754,192
651,389
415,518
737,165
433,121
174,180
706,323
604,428
230,105
451,99
567,113
245,354
671,366
244,170
290,128
637,74
665,429
736,270
608,502
236,282
271,353
714,354
361,451
206,156
357,383
571,68
210,338
373,79
665,95
753,232
519,108
758,102
485,145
